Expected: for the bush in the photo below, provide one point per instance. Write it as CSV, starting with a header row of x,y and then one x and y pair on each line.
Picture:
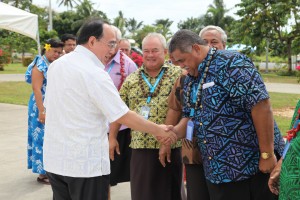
x,y
26,61
298,75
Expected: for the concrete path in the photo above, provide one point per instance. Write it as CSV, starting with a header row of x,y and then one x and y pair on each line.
x,y
17,182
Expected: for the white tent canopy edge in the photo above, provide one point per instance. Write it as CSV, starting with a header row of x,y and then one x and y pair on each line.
x,y
20,21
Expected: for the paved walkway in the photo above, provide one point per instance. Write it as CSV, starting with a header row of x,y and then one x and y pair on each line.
x,y
17,182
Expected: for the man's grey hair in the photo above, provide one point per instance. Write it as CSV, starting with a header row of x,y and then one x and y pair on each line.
x,y
216,28
126,40
183,40
118,32
161,38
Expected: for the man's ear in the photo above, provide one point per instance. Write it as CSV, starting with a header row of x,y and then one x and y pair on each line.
x,y
92,41
196,48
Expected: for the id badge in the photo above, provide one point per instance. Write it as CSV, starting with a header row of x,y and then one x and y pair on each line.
x,y
190,130
145,111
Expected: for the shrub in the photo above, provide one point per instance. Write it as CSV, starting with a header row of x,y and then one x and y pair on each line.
x,y
26,61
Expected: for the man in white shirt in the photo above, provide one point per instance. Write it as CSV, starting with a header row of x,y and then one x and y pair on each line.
x,y
80,101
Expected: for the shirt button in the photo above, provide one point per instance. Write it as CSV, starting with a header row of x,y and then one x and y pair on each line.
x,y
204,141
200,123
200,106
209,158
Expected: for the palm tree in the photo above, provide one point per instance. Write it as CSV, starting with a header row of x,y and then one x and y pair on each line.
x,y
85,11
215,15
163,27
132,25
68,3
120,22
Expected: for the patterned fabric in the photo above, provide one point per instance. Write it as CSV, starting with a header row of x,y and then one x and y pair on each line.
x,y
190,151
223,123
290,169
35,128
132,94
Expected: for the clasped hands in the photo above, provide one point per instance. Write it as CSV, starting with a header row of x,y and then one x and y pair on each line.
x,y
165,136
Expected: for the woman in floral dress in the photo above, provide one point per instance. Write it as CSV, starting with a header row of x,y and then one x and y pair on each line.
x,y
36,75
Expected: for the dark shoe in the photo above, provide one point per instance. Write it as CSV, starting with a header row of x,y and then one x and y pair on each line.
x,y
43,180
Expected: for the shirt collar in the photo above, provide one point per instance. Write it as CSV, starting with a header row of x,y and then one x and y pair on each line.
x,y
165,65
90,54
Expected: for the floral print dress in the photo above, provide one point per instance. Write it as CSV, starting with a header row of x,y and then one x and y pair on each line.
x,y
35,128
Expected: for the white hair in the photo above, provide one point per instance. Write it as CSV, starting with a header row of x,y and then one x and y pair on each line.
x,y
161,38
216,28
118,32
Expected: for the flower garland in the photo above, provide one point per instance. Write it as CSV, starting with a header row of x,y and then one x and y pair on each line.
x,y
147,93
122,70
190,84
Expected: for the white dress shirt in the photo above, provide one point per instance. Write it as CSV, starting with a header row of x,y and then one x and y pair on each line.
x,y
80,101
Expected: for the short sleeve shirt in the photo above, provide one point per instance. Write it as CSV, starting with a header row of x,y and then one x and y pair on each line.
x,y
133,95
223,124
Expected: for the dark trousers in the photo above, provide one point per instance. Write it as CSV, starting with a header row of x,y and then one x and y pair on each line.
x,y
254,188
195,182
149,180
70,188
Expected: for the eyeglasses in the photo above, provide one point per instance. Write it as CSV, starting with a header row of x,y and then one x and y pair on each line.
x,y
111,44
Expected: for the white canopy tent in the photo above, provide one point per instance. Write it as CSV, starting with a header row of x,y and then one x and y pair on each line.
x,y
20,21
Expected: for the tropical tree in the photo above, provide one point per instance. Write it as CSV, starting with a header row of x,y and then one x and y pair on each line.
x,y
276,21
86,11
120,22
163,27
193,24
69,3
17,3
215,15
141,33
132,25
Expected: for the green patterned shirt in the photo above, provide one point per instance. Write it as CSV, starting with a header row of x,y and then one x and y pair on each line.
x,y
133,95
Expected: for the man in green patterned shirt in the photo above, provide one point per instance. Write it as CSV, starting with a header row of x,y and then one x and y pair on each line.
x,y
146,92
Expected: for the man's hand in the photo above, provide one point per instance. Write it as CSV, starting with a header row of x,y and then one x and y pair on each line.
x,y
274,178
166,136
164,153
113,146
266,166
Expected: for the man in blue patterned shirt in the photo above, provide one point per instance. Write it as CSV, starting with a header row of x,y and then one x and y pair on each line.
x,y
227,107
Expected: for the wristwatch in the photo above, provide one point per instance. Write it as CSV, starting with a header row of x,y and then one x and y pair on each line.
x,y
266,155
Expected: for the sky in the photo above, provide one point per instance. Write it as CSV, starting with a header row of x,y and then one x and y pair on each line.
x,y
150,10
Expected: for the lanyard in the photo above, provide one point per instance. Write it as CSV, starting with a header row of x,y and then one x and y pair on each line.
x,y
200,83
110,66
196,91
152,87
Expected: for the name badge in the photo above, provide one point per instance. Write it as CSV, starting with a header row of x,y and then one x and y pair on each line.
x,y
207,85
190,130
145,111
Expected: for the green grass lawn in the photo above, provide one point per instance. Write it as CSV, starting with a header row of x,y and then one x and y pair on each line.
x,y
15,68
274,78
15,92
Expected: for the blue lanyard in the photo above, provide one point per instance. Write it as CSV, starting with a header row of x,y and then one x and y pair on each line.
x,y
110,66
152,88
195,92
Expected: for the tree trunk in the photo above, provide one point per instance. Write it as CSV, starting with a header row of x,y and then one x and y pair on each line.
x,y
289,52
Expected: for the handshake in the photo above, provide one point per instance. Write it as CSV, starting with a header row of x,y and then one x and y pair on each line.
x,y
166,136
163,133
